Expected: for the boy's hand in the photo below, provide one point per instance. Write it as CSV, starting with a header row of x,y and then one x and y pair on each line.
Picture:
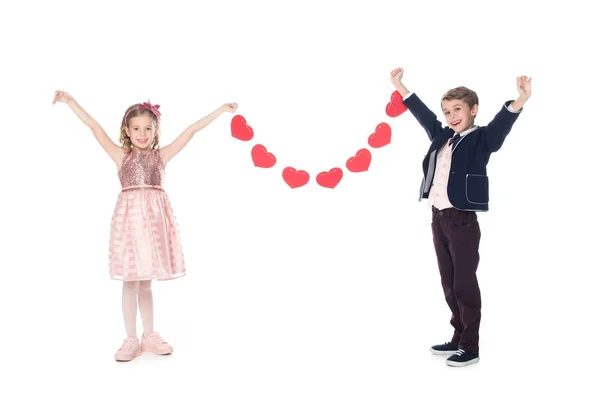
x,y
524,86
396,76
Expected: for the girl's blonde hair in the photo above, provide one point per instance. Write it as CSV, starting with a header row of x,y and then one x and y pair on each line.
x,y
135,111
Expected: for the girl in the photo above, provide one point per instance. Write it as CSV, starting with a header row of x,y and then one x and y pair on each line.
x,y
144,239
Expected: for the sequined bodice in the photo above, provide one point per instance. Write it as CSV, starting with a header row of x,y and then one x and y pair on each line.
x,y
142,169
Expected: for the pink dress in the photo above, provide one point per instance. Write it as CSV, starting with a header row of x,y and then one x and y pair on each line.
x,y
144,237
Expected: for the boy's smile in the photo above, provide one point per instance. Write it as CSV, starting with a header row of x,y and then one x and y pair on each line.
x,y
459,116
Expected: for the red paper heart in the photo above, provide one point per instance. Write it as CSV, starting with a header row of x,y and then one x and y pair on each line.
x,y
331,178
295,178
381,137
262,158
396,106
360,162
240,129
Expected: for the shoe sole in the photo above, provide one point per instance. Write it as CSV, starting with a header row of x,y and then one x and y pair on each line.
x,y
461,364
158,353
443,352
137,353
163,353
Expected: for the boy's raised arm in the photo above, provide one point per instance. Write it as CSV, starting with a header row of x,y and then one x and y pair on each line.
x,y
426,118
500,126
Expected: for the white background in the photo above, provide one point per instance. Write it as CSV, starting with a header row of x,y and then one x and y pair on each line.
x,y
309,293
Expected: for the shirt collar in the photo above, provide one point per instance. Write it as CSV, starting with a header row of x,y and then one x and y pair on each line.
x,y
464,133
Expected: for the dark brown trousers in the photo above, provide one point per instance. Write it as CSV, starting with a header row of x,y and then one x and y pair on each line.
x,y
456,237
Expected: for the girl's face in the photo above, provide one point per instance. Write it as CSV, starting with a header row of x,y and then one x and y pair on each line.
x,y
141,131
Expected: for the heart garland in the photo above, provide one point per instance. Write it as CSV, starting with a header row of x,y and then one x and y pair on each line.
x,y
294,178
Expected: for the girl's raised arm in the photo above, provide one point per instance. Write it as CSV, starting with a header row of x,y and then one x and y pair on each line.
x,y
169,151
114,151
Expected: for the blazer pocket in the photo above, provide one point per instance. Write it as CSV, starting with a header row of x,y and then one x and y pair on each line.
x,y
477,188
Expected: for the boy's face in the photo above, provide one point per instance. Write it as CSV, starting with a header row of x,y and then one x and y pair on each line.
x,y
459,116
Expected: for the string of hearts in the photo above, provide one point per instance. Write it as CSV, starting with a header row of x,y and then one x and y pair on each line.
x,y
296,178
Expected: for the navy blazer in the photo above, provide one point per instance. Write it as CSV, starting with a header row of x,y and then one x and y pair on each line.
x,y
468,185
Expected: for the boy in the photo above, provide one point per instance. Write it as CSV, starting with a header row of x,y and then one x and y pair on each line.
x,y
456,184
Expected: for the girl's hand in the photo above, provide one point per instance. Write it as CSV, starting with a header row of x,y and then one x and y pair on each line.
x,y
229,107
61,97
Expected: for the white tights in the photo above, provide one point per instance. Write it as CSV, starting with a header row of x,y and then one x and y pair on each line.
x,y
134,294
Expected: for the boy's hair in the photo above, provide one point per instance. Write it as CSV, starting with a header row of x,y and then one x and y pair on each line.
x,y
135,111
462,93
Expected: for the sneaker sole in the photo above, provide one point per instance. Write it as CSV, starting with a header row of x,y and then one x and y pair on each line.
x,y
160,353
137,353
461,364
443,352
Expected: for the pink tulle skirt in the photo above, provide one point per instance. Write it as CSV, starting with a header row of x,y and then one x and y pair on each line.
x,y
144,237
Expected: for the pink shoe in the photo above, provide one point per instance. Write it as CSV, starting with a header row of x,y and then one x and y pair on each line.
x,y
129,350
155,344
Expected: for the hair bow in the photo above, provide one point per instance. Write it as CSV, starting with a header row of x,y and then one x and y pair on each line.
x,y
152,108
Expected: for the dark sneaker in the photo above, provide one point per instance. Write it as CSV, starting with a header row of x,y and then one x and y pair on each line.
x,y
462,358
444,349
